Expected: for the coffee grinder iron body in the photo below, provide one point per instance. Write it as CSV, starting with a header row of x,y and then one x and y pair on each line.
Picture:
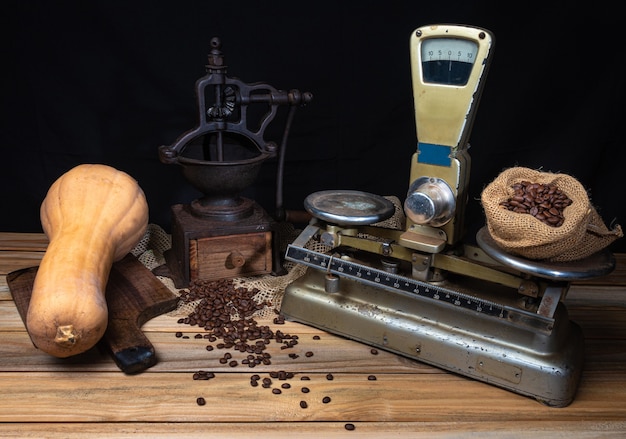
x,y
223,234
421,291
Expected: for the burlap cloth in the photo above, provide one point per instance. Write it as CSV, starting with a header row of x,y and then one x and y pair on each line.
x,y
152,247
582,233
155,242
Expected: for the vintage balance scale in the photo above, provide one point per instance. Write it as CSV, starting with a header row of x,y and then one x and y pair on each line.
x,y
421,292
224,234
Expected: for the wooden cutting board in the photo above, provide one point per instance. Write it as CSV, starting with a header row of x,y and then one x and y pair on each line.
x,y
134,296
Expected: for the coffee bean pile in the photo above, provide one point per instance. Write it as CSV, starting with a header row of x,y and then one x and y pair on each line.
x,y
225,312
545,202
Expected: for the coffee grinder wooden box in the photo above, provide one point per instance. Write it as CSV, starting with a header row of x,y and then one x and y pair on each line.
x,y
212,249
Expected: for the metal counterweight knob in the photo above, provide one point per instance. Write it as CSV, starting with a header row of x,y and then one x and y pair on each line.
x,y
430,201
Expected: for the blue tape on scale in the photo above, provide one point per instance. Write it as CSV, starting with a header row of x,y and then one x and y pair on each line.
x,y
432,154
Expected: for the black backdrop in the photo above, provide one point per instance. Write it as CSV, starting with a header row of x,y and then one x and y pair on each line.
x,y
111,81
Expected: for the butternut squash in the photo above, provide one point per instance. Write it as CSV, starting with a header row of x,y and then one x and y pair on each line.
x,y
93,215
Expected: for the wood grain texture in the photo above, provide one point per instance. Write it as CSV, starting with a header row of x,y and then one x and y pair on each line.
x,y
87,396
510,429
171,397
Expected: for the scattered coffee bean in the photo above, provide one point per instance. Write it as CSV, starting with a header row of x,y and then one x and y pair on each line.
x,y
308,354
326,399
316,337
200,401
202,375
286,386
304,378
282,375
374,351
372,378
303,404
305,390
330,377
276,391
179,334
349,427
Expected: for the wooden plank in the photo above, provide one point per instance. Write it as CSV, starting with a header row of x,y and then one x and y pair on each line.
x,y
582,429
5,293
597,295
16,260
615,278
604,316
332,354
174,354
171,397
10,241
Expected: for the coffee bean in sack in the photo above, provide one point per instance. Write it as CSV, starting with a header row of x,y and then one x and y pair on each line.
x,y
545,202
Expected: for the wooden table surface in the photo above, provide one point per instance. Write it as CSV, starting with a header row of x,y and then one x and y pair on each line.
x,y
41,396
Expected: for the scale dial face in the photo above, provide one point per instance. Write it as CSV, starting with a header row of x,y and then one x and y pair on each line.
x,y
448,61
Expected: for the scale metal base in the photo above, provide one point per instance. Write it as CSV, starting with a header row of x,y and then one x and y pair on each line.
x,y
471,322
543,366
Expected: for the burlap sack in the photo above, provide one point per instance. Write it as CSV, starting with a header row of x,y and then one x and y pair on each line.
x,y
582,233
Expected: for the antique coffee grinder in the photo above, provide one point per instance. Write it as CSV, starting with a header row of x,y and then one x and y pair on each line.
x,y
223,234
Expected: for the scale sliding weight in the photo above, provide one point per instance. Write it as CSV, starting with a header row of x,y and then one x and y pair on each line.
x,y
420,291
